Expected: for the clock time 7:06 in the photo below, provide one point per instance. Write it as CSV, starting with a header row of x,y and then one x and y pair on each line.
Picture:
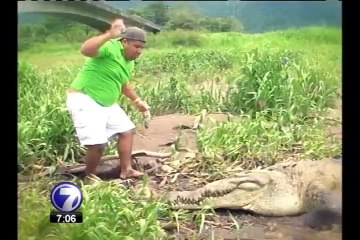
x,y
66,217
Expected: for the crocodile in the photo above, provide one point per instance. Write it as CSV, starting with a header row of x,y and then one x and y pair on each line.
x,y
283,189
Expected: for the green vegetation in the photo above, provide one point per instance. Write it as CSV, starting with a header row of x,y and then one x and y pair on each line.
x,y
277,86
52,30
184,16
254,16
134,217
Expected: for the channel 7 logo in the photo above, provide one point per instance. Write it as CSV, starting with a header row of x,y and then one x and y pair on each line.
x,y
66,197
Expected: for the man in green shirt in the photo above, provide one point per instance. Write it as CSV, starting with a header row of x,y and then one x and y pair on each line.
x,y
92,97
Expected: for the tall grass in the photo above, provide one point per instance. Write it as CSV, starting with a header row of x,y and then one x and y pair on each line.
x,y
281,81
44,127
184,60
110,211
266,141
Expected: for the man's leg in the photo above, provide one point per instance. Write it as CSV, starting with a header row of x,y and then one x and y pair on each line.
x,y
92,158
121,126
89,119
125,142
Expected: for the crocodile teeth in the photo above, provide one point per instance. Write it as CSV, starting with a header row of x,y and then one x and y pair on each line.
x,y
200,196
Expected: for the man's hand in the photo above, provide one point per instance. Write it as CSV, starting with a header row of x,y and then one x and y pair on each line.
x,y
91,46
141,105
117,27
128,91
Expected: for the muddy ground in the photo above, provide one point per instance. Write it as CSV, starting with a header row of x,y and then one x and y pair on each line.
x,y
174,132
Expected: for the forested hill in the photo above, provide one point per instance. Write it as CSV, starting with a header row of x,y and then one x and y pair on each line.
x,y
257,16
260,16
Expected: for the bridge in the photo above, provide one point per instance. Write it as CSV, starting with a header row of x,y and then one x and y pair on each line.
x,y
97,15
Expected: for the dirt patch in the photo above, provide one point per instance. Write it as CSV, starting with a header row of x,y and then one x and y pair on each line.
x,y
257,227
162,132
166,134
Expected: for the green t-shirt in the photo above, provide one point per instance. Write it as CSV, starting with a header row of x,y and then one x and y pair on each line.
x,y
101,77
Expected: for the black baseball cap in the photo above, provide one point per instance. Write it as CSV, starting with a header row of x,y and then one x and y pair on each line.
x,y
134,33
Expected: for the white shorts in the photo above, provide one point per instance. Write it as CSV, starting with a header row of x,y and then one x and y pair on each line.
x,y
96,124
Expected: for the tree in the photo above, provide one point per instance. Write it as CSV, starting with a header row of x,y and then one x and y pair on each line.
x,y
183,16
156,12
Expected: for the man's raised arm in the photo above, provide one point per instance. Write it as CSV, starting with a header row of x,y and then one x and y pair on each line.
x,y
91,46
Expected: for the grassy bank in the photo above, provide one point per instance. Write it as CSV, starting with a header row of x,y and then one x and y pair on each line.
x,y
316,43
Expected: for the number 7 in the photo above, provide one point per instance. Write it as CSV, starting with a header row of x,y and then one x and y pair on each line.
x,y
69,201
59,217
